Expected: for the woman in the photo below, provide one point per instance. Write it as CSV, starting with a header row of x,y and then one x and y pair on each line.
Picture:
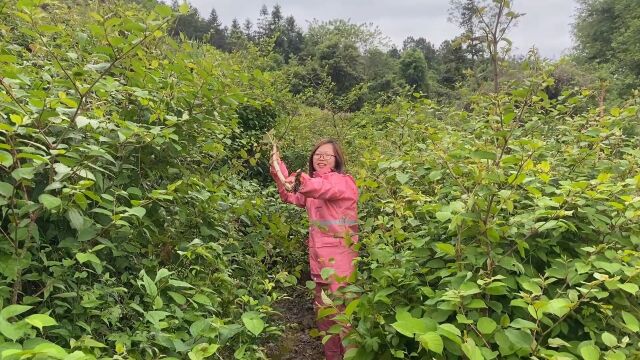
x,y
330,197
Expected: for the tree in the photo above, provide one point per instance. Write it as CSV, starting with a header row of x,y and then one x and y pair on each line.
x,y
342,62
293,39
425,47
454,62
364,36
463,13
263,31
191,25
217,34
247,28
607,34
413,69
496,17
236,38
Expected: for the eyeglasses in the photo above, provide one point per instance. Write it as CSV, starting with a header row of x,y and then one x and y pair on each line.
x,y
323,156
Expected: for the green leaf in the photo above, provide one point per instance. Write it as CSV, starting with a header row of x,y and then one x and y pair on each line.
x,y
162,273
40,320
432,341
556,342
353,305
178,298
138,211
178,283
76,218
609,340
14,310
471,350
326,272
411,326
446,248
631,321
6,159
629,287
184,8
486,325
149,285
49,201
11,331
522,324
558,307
402,178
23,173
202,299
6,189
616,355
484,155
202,351
84,257
443,216
163,10
590,352
253,322
520,338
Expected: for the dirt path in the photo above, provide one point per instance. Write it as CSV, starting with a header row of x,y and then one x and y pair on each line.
x,y
298,318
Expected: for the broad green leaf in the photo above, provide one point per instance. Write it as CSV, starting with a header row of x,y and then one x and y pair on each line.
x,y
519,338
76,218
6,189
608,339
84,257
11,331
202,299
253,322
590,352
138,211
484,155
178,298
409,326
353,305
432,341
446,248
6,159
203,351
486,325
629,287
163,10
471,350
40,320
149,285
631,321
14,310
162,273
558,307
402,178
23,173
49,201
556,342
179,283
443,216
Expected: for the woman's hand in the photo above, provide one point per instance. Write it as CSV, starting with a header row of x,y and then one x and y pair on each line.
x,y
290,182
275,155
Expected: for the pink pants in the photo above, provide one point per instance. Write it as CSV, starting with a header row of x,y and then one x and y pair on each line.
x,y
333,349
341,260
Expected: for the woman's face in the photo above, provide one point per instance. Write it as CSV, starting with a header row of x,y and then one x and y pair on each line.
x,y
324,159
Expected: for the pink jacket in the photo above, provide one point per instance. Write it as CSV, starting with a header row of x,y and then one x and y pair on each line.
x,y
331,201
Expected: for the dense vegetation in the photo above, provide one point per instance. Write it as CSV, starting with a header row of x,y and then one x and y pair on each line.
x,y
499,200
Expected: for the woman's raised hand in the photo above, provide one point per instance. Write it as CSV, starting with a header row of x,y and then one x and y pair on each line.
x,y
275,155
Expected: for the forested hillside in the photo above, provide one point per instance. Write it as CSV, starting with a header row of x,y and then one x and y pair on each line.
x,y
499,194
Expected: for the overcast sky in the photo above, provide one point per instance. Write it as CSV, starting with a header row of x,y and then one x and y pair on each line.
x,y
547,23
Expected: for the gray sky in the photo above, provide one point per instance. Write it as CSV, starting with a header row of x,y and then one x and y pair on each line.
x,y
547,23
